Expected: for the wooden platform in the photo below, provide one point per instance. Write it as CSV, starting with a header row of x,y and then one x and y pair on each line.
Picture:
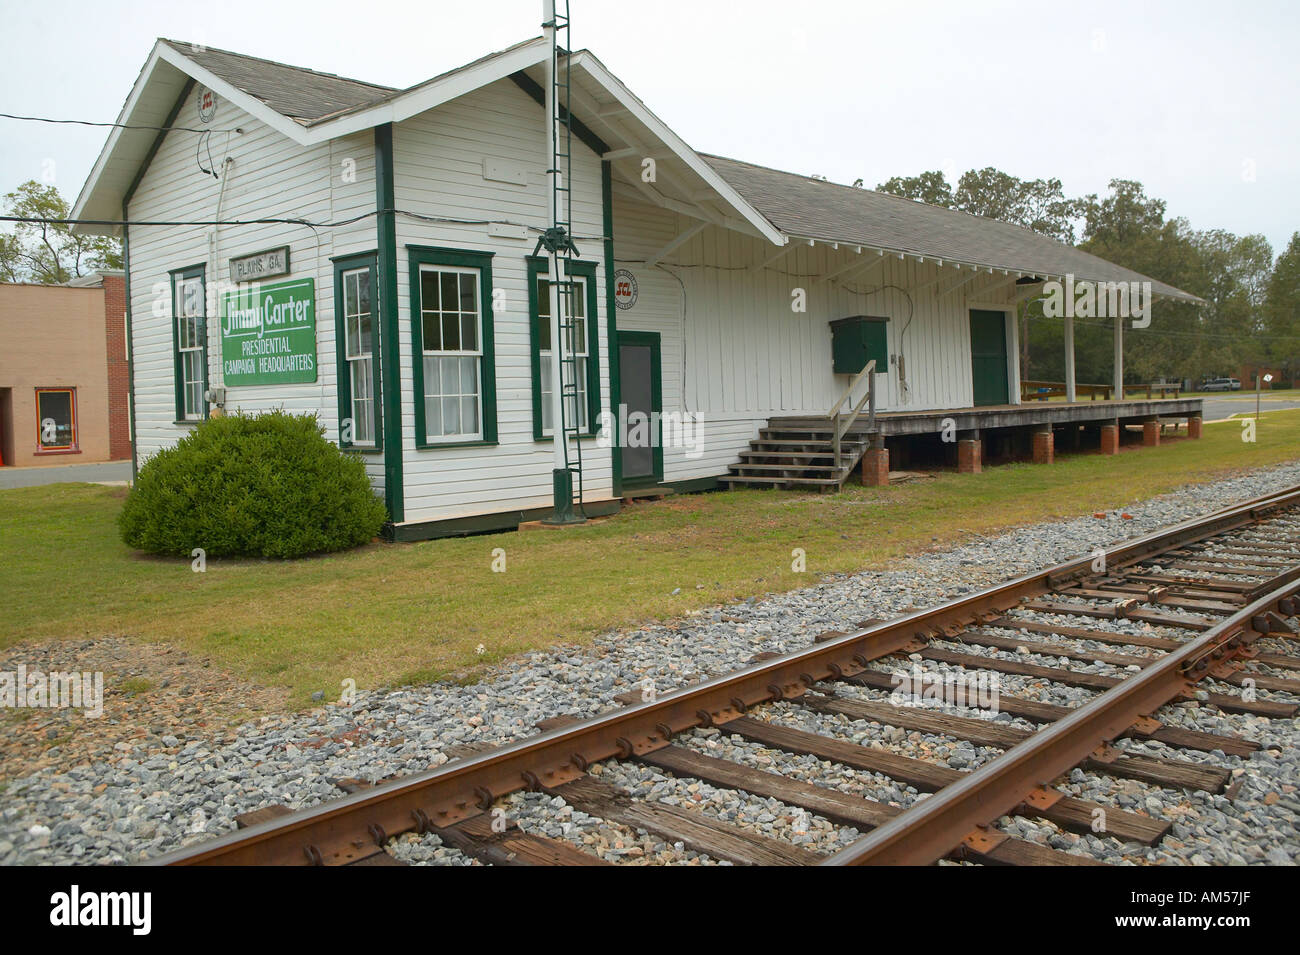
x,y
796,451
1002,416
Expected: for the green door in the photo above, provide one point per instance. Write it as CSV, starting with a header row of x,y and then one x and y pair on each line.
x,y
988,350
641,388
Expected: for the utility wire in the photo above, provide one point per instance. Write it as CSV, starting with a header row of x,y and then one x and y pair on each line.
x,y
309,223
444,220
86,122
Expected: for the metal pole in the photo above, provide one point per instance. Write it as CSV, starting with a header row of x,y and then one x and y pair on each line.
x,y
552,268
1119,358
561,476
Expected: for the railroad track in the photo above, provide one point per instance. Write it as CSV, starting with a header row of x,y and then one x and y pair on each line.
x,y
1212,601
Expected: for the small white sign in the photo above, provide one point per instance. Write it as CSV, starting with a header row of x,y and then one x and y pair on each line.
x,y
260,265
625,289
504,170
506,230
207,104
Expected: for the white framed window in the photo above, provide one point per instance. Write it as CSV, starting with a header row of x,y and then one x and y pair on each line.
x,y
451,326
573,302
359,353
189,311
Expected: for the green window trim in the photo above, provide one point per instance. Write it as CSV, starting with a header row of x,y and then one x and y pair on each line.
x,y
537,268
417,256
389,318
178,380
343,375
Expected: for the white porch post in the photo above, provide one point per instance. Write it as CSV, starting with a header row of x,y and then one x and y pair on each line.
x,y
1070,391
1119,359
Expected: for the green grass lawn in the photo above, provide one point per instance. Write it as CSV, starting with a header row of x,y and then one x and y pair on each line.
x,y
388,614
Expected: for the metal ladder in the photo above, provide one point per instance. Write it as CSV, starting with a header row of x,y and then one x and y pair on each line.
x,y
558,241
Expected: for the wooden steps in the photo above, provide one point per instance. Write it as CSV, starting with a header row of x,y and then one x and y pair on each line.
x,y
796,456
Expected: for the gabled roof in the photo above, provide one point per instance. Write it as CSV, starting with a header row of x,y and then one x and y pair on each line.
x,y
310,107
815,209
276,94
300,94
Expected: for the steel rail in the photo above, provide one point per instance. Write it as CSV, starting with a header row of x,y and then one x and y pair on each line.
x,y
934,827
352,827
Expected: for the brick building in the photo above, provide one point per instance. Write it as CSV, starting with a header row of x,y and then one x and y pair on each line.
x,y
1282,378
64,374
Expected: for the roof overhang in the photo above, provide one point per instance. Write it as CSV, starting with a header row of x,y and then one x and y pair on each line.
x,y
687,184
1000,277
151,101
168,71
684,182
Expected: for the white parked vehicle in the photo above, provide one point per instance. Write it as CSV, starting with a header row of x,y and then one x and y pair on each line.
x,y
1222,384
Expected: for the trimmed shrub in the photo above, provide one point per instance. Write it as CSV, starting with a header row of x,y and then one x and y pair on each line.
x,y
266,485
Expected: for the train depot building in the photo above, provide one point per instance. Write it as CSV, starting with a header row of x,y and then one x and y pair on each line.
x,y
303,241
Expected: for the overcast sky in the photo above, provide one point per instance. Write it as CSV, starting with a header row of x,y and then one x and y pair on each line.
x,y
1198,101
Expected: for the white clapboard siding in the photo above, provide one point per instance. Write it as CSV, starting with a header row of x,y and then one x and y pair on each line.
x,y
639,231
438,164
438,172
735,352
270,177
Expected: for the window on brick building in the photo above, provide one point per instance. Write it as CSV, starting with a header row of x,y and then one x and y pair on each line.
x,y
56,419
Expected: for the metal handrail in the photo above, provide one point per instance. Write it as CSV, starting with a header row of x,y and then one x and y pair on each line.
x,y
841,426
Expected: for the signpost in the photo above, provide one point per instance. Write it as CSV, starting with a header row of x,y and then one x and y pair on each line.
x,y
1259,386
268,334
260,265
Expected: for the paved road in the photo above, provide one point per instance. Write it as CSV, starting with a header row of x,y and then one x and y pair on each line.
x,y
1218,407
110,472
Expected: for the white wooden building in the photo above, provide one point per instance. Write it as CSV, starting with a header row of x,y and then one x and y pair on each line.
x,y
396,229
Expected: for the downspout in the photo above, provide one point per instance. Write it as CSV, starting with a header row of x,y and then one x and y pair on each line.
x,y
130,345
611,324
212,287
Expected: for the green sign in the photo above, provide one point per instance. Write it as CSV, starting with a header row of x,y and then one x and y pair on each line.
x,y
268,334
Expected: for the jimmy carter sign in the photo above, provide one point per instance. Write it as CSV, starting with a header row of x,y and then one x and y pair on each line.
x,y
268,334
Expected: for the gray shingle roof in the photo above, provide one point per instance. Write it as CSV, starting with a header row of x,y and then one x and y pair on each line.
x,y
796,205
816,209
301,94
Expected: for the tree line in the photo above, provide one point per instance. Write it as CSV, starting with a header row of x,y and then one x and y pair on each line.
x,y
49,253
1252,315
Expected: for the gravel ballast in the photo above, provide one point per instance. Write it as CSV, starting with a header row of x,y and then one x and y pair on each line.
x,y
162,792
